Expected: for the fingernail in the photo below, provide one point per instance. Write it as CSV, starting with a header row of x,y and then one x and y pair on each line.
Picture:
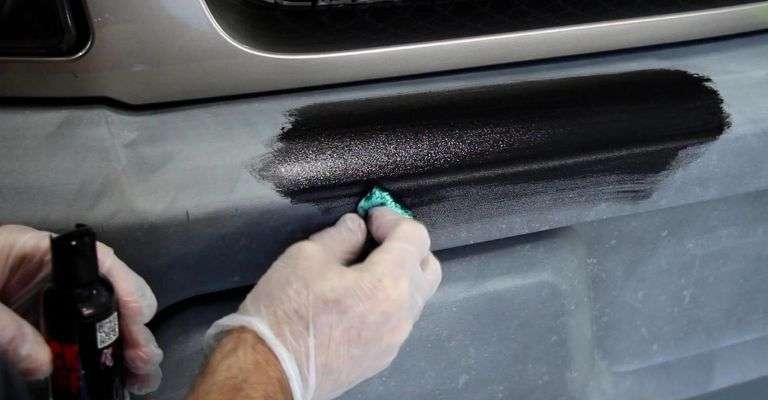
x,y
35,361
352,222
383,212
36,368
157,351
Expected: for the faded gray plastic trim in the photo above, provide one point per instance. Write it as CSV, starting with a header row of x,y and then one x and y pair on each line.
x,y
170,188
148,51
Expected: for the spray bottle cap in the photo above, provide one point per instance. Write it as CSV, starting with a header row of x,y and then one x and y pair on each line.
x,y
73,257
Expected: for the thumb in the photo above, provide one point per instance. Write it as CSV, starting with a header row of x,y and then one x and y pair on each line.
x,y
389,226
344,240
23,346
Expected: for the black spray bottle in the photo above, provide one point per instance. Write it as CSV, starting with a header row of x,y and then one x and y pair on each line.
x,y
81,322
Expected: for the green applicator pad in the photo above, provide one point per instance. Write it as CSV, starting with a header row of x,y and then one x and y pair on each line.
x,y
379,197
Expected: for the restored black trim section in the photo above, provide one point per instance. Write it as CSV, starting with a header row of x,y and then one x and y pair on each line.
x,y
468,153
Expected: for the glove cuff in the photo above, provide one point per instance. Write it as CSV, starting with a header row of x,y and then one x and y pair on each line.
x,y
286,359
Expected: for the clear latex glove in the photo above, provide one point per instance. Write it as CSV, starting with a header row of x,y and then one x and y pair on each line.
x,y
25,265
332,324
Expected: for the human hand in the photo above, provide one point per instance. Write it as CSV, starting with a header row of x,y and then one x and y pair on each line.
x,y
331,324
25,265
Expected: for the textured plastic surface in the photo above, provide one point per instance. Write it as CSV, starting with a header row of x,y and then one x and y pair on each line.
x,y
170,189
664,305
658,298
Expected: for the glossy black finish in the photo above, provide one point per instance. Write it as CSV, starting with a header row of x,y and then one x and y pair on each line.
x,y
73,258
469,154
81,323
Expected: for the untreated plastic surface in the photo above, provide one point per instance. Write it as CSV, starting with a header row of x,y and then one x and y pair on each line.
x,y
669,304
171,190
658,297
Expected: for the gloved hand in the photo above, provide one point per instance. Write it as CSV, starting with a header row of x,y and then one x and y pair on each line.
x,y
25,264
332,324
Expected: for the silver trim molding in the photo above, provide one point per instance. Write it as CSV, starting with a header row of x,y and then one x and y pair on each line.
x,y
151,51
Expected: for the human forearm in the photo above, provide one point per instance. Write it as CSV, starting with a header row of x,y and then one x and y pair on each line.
x,y
241,367
332,319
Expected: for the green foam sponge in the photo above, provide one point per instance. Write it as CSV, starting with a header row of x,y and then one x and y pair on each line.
x,y
379,197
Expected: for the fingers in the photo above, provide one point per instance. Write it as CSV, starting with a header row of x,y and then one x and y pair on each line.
x,y
144,383
404,242
25,263
142,354
137,306
344,240
383,221
433,274
142,359
403,255
23,346
135,298
27,250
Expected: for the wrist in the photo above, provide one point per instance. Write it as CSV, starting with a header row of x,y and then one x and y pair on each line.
x,y
285,357
242,366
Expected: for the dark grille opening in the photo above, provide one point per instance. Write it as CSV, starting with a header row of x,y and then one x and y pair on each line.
x,y
42,28
316,26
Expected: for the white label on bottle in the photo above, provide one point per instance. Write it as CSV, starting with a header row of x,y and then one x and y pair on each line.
x,y
107,331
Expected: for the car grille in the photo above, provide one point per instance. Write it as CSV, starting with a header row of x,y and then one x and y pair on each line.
x,y
336,25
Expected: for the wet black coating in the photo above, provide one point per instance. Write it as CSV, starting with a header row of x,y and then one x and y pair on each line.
x,y
464,154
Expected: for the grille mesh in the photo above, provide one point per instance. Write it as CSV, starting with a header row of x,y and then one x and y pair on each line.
x,y
296,28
